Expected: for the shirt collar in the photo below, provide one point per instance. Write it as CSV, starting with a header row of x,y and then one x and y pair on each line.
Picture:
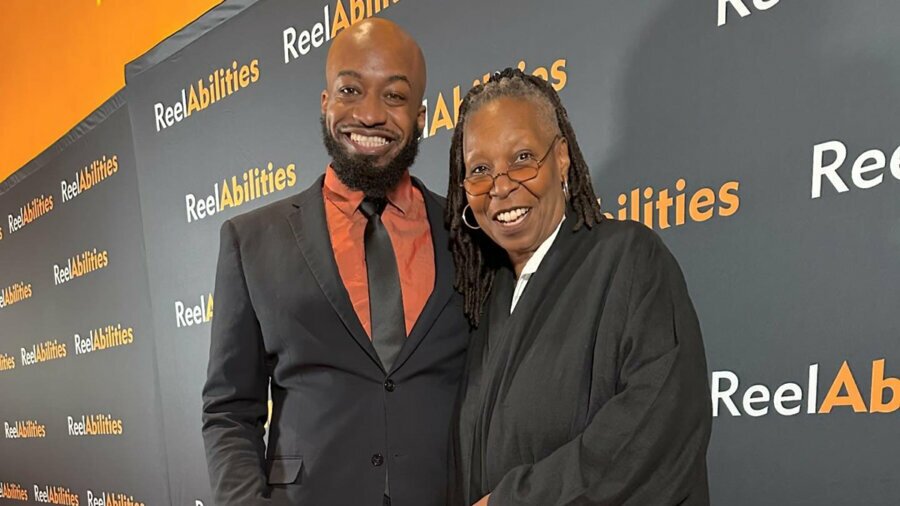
x,y
348,200
531,266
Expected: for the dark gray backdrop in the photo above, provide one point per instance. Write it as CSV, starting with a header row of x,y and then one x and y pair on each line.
x,y
658,91
118,381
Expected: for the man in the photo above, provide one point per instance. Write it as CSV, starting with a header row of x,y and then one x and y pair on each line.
x,y
362,386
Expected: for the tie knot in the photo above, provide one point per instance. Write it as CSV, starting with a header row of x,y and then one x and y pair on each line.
x,y
372,206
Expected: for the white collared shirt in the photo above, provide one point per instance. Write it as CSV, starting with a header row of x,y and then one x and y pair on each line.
x,y
531,266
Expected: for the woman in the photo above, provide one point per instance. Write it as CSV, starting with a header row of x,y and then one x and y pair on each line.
x,y
586,377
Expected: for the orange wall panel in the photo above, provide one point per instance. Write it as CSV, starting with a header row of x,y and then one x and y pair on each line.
x,y
63,58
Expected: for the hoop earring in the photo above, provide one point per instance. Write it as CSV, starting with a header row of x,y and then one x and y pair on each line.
x,y
565,186
467,221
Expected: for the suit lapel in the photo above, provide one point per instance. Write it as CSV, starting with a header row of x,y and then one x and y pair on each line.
x,y
311,232
443,276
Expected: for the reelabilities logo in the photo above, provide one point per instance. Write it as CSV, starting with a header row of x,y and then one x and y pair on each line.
x,y
44,352
30,212
15,293
439,117
88,177
222,83
13,491
24,429
7,362
254,183
80,265
789,397
111,499
657,208
95,425
110,336
740,7
188,316
299,43
52,494
867,171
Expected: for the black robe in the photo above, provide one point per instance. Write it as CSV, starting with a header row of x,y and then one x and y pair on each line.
x,y
594,390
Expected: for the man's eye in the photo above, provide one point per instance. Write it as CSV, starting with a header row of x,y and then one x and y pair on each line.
x,y
395,97
348,90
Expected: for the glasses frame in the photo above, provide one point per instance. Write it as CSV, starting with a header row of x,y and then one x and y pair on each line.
x,y
494,177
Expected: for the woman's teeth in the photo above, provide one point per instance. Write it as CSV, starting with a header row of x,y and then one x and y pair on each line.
x,y
513,216
368,141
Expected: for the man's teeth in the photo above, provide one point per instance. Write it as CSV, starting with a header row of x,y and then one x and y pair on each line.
x,y
510,216
368,141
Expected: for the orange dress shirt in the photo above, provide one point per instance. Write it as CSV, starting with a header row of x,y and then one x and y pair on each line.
x,y
406,221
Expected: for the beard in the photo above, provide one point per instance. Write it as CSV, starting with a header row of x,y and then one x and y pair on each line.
x,y
359,172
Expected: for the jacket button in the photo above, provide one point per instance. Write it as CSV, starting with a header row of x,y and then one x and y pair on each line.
x,y
389,385
377,460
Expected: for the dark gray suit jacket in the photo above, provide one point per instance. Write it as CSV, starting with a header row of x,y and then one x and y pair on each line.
x,y
339,421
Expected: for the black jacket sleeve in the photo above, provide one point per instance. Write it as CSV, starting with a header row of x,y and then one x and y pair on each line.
x,y
235,397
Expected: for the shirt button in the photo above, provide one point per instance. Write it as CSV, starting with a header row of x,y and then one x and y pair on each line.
x,y
377,460
389,385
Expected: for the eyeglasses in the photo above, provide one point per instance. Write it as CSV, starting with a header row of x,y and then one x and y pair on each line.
x,y
519,171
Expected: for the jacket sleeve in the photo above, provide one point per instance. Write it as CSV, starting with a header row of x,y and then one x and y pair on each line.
x,y
647,444
236,392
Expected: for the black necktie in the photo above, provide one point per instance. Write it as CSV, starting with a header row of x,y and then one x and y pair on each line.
x,y
385,298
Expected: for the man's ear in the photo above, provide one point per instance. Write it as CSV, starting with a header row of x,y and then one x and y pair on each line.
x,y
420,119
324,100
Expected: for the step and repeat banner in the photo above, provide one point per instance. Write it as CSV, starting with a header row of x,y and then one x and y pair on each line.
x,y
758,137
78,397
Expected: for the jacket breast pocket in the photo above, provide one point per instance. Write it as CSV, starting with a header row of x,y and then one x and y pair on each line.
x,y
285,470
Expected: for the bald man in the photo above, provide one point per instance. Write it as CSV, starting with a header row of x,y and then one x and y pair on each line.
x,y
340,300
